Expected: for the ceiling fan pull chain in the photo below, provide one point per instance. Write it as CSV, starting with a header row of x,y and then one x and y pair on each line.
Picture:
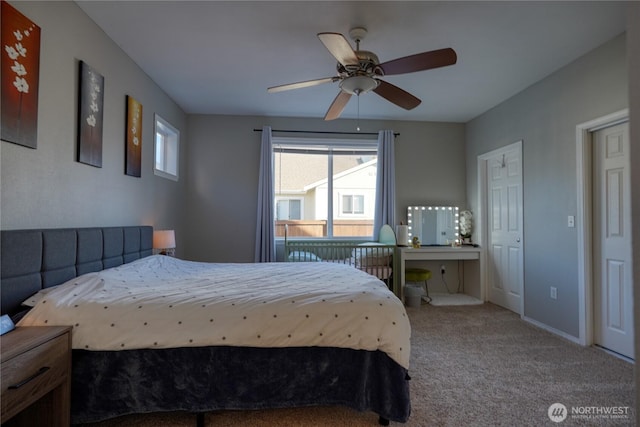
x,y
358,119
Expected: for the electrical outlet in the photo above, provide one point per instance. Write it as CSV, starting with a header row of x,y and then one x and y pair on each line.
x,y
442,269
554,293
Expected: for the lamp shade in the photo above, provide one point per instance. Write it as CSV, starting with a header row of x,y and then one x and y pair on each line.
x,y
164,239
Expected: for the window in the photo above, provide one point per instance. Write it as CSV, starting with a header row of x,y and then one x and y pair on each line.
x,y
167,148
324,188
288,209
352,204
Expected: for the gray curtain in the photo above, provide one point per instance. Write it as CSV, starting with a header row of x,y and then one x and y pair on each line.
x,y
265,250
385,209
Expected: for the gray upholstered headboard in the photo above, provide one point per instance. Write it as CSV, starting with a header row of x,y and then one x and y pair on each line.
x,y
31,260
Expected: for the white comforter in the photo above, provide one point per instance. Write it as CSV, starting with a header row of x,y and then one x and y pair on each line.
x,y
163,302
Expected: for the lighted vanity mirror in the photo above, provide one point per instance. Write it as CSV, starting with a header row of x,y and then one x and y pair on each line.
x,y
433,225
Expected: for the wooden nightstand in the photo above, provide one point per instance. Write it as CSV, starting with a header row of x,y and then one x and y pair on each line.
x,y
36,376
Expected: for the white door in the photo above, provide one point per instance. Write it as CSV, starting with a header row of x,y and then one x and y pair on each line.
x,y
504,221
613,293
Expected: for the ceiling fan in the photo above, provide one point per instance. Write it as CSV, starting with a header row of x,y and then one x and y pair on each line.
x,y
360,72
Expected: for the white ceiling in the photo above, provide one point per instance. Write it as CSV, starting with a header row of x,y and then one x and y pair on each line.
x,y
215,57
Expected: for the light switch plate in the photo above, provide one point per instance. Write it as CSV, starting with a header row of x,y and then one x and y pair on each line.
x,y
571,221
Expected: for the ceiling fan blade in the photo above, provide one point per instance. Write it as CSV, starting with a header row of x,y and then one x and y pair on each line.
x,y
419,62
396,95
337,105
339,47
299,85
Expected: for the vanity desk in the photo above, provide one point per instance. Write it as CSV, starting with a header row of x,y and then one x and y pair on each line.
x,y
471,277
436,227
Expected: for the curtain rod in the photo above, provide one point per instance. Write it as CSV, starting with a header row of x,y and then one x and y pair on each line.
x,y
324,132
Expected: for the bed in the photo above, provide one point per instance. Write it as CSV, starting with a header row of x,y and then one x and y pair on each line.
x,y
227,366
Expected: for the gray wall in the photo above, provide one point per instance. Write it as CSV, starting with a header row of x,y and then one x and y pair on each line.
x,y
224,156
46,187
545,116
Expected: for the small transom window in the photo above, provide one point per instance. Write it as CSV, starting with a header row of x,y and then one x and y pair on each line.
x,y
167,147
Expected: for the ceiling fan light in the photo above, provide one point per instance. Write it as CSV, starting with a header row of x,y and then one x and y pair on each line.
x,y
356,85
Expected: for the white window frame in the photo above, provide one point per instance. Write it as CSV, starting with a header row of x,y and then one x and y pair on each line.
x,y
170,150
288,198
330,144
352,213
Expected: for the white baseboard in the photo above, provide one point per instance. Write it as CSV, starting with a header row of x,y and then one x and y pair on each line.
x,y
553,330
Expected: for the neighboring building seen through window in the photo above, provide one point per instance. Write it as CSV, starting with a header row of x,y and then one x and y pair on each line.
x,y
324,188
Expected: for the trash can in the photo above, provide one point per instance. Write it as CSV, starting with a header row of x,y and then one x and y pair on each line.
x,y
413,295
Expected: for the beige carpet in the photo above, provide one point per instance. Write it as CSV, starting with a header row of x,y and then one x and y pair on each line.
x,y
477,365
453,299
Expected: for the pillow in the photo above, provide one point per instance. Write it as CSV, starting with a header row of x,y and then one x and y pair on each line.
x,y
371,254
301,256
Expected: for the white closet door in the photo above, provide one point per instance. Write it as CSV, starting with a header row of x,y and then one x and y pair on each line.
x,y
504,202
613,293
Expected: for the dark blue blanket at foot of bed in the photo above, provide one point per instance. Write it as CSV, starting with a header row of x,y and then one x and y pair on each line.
x,y
107,384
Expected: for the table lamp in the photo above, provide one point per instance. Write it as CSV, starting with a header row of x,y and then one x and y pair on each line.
x,y
165,241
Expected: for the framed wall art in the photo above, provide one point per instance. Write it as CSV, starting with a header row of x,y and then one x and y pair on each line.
x,y
133,151
90,116
20,75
